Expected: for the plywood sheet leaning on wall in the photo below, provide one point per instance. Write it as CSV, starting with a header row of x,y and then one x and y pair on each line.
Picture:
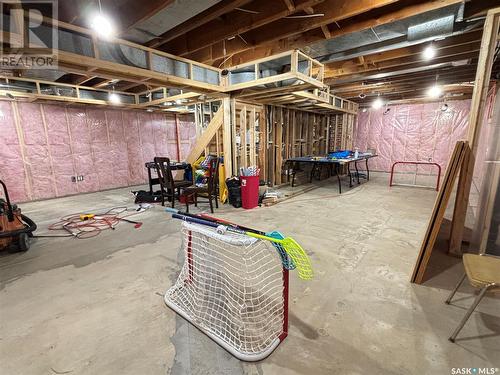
x,y
460,153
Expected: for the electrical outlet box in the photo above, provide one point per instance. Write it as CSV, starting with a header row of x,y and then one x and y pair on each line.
x,y
79,178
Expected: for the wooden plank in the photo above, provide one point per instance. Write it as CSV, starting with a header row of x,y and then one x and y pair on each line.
x,y
333,10
262,144
178,137
293,131
243,132
438,212
236,23
227,136
253,160
271,152
478,104
207,136
279,147
359,23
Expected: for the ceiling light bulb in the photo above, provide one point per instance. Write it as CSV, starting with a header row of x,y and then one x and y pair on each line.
x,y
114,98
429,52
435,91
377,103
102,25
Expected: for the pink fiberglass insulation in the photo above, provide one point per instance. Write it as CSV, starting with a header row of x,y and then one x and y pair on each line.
x,y
44,146
12,170
414,132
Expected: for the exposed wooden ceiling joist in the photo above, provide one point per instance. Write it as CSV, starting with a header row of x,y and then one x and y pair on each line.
x,y
379,16
198,20
131,12
234,26
450,49
332,10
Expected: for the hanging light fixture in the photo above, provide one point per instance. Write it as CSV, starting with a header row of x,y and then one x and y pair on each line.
x,y
429,52
113,97
377,103
102,24
435,91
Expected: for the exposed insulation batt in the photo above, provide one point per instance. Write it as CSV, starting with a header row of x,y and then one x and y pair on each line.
x,y
42,146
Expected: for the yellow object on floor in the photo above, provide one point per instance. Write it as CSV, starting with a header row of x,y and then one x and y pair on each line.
x,y
223,192
84,217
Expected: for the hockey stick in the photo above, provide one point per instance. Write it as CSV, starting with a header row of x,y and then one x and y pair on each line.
x,y
285,259
293,249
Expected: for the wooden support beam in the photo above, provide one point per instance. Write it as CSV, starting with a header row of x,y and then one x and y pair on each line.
x,y
284,41
253,160
236,23
178,137
212,13
279,147
138,12
227,136
207,136
415,59
478,104
290,5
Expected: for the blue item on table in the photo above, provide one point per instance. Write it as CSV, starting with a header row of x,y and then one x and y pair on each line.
x,y
340,154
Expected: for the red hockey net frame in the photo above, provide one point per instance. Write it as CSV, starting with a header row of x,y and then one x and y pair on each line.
x,y
392,183
234,289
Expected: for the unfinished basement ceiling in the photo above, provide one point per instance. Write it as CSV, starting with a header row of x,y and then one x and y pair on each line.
x,y
172,15
413,30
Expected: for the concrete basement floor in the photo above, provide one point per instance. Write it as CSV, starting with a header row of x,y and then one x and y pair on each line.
x,y
95,306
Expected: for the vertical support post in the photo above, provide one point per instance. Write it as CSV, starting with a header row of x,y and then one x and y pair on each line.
x,y
253,160
478,104
294,121
278,147
227,137
232,114
243,136
178,134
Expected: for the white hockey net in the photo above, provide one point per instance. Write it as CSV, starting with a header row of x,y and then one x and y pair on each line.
x,y
233,288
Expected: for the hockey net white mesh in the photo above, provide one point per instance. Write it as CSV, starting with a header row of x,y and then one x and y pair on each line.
x,y
232,287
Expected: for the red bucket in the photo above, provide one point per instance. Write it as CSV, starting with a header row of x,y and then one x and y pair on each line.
x,y
249,191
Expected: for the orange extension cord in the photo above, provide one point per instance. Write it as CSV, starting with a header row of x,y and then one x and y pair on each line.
x,y
92,227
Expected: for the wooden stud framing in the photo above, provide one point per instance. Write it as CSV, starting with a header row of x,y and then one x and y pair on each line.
x,y
478,104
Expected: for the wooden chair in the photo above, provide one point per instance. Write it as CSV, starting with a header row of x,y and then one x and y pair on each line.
x,y
210,190
483,272
167,183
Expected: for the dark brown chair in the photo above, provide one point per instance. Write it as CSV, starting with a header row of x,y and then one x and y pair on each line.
x,y
167,183
210,190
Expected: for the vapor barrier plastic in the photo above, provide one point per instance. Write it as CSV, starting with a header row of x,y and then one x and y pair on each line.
x,y
414,132
42,147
